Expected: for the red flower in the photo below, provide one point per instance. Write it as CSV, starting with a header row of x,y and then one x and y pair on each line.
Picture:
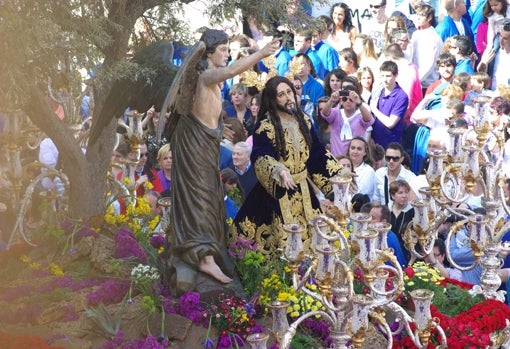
x,y
409,272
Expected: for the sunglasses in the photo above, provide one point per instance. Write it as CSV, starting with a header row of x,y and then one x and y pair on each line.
x,y
298,87
375,6
344,99
392,158
144,154
506,27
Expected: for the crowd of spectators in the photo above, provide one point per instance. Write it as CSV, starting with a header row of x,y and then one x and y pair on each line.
x,y
378,98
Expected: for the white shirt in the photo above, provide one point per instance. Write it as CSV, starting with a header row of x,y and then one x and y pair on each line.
x,y
365,180
501,73
426,49
48,155
382,173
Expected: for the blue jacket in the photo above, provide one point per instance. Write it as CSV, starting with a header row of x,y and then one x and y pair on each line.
x,y
447,28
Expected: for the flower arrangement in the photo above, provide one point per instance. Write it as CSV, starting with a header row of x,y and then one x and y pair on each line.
x,y
135,245
250,264
234,318
470,329
144,277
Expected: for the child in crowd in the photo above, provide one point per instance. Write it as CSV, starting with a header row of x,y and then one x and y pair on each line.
x,y
496,11
479,87
234,196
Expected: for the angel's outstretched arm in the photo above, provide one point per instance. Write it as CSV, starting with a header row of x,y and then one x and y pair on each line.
x,y
214,76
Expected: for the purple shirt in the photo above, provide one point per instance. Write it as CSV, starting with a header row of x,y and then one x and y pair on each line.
x,y
166,183
393,104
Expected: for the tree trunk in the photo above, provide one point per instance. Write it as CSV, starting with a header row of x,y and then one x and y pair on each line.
x,y
86,172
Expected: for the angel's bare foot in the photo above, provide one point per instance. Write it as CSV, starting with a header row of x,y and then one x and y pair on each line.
x,y
208,265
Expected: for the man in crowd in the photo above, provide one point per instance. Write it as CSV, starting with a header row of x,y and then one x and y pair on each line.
x,y
394,170
389,107
243,167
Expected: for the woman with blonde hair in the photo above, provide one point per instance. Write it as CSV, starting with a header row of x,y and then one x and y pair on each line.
x,y
365,50
393,23
165,165
366,79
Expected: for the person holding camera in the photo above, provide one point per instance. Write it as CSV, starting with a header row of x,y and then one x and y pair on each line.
x,y
347,122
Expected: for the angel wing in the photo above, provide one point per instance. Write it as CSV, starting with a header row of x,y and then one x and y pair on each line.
x,y
140,90
180,96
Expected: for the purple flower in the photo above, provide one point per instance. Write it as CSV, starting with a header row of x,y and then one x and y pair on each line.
x,y
110,291
157,241
208,343
128,247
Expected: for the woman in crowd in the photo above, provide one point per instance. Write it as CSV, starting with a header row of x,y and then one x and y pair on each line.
x,y
343,32
238,109
348,61
351,80
366,79
393,23
286,154
437,260
333,81
351,120
401,210
359,153
254,107
144,173
165,165
365,50
151,121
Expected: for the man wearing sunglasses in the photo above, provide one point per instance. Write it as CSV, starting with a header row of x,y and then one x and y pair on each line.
x,y
394,170
375,26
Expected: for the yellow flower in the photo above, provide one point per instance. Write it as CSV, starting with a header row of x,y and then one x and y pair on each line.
x,y
154,223
35,266
55,269
126,181
283,296
25,259
148,185
160,250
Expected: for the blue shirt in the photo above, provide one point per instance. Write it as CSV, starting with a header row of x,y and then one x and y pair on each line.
x,y
392,241
462,254
282,61
328,56
464,66
312,90
232,112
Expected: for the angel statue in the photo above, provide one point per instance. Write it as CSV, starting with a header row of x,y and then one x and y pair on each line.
x,y
198,221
